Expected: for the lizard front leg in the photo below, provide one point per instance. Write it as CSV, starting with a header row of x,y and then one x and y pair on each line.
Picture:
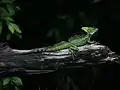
x,y
90,42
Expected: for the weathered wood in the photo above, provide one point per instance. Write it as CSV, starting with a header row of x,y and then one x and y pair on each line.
x,y
44,62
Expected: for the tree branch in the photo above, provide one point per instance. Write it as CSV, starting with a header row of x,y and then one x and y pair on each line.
x,y
44,62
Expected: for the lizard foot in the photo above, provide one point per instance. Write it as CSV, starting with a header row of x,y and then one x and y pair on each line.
x,y
72,51
93,42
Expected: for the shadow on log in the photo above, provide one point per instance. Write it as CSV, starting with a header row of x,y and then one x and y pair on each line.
x,y
94,67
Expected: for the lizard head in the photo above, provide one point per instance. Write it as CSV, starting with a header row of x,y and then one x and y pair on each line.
x,y
90,30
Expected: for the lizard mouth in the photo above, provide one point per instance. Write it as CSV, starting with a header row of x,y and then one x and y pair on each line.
x,y
92,32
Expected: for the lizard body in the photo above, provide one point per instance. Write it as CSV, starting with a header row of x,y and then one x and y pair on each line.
x,y
75,41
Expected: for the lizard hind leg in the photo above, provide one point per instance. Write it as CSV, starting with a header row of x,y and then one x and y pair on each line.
x,y
72,51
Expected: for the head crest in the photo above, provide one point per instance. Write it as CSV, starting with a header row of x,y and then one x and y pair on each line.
x,y
90,30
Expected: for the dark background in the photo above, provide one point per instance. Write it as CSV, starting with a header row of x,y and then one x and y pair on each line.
x,y
37,17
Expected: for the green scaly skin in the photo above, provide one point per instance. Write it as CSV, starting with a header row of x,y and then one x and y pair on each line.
x,y
59,47
74,41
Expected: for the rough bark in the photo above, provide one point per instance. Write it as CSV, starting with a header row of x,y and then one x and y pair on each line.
x,y
38,61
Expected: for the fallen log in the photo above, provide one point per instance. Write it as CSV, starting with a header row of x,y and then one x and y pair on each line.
x,y
38,61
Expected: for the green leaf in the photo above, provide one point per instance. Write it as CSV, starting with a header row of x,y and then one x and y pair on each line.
x,y
18,35
8,36
3,12
17,81
10,9
10,27
1,27
18,8
16,88
16,28
8,19
6,81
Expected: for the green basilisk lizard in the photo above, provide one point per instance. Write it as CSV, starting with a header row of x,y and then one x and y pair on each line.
x,y
75,41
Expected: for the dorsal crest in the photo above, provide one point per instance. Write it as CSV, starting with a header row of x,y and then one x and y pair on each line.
x,y
76,37
60,43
